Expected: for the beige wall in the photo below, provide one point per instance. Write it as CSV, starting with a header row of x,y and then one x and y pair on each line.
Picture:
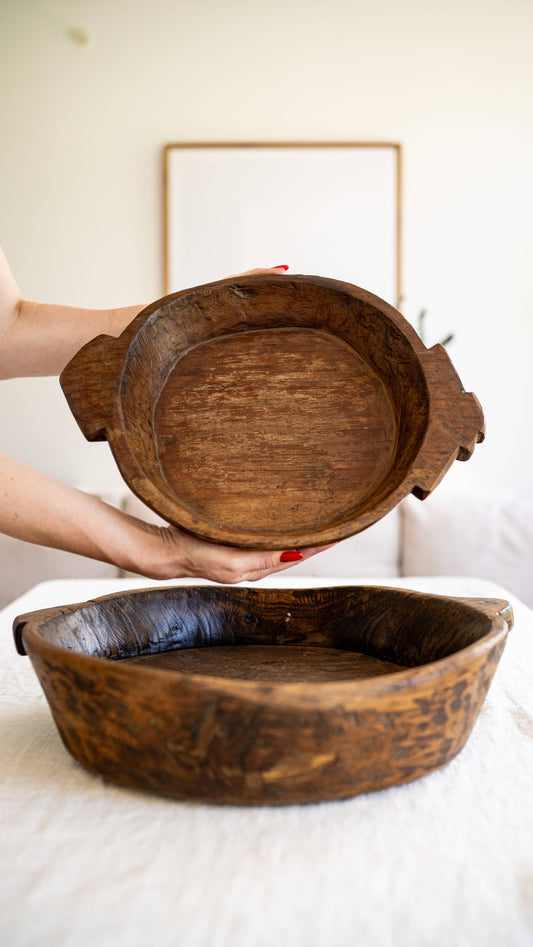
x,y
82,130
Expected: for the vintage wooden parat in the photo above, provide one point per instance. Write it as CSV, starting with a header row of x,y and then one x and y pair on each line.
x,y
273,412
242,695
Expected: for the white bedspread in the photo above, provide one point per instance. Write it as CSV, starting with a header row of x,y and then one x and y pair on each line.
x,y
446,861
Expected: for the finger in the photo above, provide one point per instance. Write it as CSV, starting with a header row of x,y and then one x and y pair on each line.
x,y
271,563
261,271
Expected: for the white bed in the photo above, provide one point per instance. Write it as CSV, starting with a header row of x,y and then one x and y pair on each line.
x,y
446,861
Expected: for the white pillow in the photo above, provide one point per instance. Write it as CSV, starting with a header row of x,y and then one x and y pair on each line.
x,y
373,553
370,554
26,564
487,534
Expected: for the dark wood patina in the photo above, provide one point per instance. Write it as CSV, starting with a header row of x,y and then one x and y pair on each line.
x,y
238,695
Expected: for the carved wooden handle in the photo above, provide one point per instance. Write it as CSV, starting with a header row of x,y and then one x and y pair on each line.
x,y
455,423
492,607
90,382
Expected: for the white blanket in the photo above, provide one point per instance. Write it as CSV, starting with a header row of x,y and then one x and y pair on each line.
x,y
446,861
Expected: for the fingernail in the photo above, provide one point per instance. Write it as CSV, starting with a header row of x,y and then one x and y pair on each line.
x,y
281,266
292,556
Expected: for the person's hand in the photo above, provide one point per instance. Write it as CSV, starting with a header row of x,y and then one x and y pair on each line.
x,y
171,553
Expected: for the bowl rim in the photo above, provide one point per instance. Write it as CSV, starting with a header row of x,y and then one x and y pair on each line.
x,y
327,694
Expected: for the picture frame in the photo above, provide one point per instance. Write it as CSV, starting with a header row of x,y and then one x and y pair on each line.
x,y
323,208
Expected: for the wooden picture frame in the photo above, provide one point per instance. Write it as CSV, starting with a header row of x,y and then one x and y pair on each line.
x,y
327,208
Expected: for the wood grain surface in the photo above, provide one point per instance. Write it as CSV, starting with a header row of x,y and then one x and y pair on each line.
x,y
292,413
254,696
273,412
268,663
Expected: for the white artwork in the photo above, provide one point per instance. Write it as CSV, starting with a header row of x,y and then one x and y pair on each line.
x,y
329,210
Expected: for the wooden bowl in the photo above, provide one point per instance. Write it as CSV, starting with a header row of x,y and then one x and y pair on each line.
x,y
273,412
238,695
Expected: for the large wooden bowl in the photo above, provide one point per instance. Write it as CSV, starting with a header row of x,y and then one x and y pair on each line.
x,y
273,412
243,695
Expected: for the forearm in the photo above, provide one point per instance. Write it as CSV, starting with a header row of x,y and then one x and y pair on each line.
x,y
39,509
42,338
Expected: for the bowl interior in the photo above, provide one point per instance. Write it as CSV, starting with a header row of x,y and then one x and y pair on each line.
x,y
271,634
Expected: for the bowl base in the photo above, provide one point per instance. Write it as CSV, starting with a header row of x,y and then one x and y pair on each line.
x,y
283,664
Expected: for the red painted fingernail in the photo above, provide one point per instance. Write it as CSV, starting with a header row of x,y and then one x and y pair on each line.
x,y
292,556
281,266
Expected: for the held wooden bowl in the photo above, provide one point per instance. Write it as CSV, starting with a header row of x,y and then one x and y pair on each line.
x,y
237,695
273,412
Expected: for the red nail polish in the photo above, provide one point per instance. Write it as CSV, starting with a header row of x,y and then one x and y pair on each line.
x,y
292,556
281,266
